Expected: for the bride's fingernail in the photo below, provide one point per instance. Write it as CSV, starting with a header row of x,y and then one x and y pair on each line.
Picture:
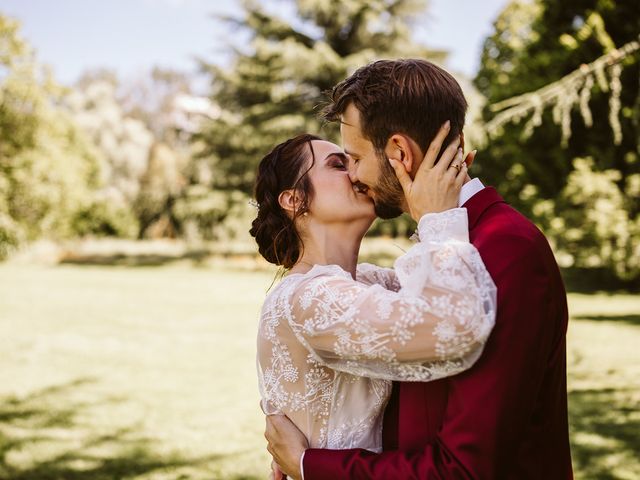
x,y
446,125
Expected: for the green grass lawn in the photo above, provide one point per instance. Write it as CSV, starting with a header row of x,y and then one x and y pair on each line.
x,y
119,372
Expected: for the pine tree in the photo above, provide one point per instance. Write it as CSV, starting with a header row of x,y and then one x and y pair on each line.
x,y
274,86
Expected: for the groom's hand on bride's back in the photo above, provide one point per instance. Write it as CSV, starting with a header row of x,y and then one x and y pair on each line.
x,y
435,186
276,472
286,444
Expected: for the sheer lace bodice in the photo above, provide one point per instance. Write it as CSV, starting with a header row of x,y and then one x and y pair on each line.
x,y
329,346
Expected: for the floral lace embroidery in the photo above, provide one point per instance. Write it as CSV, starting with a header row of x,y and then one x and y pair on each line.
x,y
329,346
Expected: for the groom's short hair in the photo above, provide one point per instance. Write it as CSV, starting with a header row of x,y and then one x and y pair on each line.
x,y
409,96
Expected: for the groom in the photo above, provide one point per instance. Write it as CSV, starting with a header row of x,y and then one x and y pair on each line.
x,y
506,417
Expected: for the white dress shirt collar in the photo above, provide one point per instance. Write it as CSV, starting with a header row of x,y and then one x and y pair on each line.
x,y
469,189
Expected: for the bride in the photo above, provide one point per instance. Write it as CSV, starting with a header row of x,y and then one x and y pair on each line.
x,y
334,334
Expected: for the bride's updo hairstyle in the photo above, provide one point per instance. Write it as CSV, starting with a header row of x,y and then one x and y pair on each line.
x,y
283,168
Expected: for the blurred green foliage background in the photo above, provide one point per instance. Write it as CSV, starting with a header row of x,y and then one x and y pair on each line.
x,y
114,369
150,159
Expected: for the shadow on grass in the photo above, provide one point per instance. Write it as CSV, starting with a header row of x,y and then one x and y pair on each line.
x,y
41,438
604,429
197,257
630,319
589,280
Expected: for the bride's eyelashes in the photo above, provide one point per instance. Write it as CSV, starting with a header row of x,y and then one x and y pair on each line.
x,y
337,162
339,166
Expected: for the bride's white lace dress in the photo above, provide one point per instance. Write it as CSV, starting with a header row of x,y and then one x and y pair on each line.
x,y
329,346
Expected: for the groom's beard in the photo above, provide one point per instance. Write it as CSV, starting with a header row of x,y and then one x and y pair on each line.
x,y
388,194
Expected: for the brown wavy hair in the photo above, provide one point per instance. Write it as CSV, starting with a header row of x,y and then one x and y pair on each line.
x,y
410,96
283,168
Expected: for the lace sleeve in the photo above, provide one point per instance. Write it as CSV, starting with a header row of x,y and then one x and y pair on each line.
x,y
434,326
374,275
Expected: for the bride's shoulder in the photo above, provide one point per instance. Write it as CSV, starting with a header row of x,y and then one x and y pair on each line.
x,y
320,274
366,267
298,286
375,275
317,274
369,269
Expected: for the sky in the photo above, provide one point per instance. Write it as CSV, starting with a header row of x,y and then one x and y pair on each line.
x,y
130,36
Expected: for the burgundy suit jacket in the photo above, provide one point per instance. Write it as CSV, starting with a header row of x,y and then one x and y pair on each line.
x,y
506,417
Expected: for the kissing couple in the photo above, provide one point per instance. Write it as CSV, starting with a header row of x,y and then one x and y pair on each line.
x,y
451,364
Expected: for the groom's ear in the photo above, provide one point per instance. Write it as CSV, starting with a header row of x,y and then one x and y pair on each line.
x,y
399,148
470,156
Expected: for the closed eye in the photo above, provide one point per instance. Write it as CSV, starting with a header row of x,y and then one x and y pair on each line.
x,y
352,157
339,166
338,162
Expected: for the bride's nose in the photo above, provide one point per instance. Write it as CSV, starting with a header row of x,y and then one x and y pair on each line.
x,y
351,169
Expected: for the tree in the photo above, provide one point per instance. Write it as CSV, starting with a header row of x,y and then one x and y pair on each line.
x,y
273,89
151,98
142,154
18,118
154,99
590,135
47,166
274,86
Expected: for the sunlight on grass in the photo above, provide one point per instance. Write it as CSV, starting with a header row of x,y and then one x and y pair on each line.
x,y
153,364
118,372
604,393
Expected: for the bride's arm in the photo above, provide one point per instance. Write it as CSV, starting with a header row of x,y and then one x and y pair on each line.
x,y
434,326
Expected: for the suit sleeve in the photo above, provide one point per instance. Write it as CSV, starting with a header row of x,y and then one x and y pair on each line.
x,y
488,406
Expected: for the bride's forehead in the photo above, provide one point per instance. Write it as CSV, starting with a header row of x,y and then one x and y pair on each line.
x,y
322,148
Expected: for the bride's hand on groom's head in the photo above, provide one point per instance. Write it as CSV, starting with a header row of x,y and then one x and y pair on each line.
x,y
435,186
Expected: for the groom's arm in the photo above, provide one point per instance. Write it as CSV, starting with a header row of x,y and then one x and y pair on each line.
x,y
489,405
